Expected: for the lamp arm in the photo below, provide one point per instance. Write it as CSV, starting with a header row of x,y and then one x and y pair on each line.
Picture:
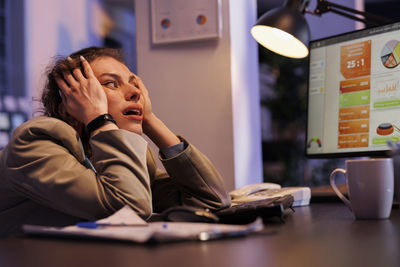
x,y
371,19
347,15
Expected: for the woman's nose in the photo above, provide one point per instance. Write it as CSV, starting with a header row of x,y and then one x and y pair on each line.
x,y
133,93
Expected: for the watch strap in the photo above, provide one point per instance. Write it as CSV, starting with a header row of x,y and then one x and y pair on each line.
x,y
98,122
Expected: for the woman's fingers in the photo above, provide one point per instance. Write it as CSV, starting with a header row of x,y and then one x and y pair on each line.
x,y
62,84
71,81
63,88
148,110
63,98
141,85
139,82
87,70
78,74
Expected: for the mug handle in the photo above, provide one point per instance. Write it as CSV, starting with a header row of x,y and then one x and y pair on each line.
x,y
333,185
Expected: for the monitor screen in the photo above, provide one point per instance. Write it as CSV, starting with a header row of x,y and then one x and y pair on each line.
x,y
354,93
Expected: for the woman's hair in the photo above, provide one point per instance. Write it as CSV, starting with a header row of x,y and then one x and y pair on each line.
x,y
51,99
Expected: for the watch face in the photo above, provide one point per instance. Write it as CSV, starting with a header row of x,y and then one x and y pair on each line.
x,y
108,117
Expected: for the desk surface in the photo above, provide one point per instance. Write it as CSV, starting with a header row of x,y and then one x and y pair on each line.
x,y
322,234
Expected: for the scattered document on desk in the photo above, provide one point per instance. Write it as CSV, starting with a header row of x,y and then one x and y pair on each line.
x,y
301,195
124,216
126,225
250,193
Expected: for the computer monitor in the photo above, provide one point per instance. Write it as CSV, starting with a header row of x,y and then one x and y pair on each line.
x,y
354,93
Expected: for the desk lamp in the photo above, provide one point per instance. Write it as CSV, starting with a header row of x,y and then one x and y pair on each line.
x,y
285,31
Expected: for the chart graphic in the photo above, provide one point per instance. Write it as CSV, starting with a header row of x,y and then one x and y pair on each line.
x,y
354,95
386,93
201,19
355,59
165,23
385,131
314,140
385,128
390,54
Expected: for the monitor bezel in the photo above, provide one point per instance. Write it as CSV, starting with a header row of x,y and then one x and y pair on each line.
x,y
374,153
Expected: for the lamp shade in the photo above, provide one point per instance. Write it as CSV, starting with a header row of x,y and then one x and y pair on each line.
x,y
284,31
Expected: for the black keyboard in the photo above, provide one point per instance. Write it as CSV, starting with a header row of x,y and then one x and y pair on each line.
x,y
249,211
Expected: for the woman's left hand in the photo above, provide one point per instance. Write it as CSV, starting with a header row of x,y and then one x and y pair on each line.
x,y
153,127
148,114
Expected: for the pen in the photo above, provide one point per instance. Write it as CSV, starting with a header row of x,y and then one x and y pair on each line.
x,y
94,225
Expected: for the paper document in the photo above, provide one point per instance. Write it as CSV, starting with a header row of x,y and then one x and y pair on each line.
x,y
124,216
126,225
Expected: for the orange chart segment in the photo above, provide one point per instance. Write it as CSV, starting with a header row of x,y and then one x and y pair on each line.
x,y
358,84
355,59
354,113
354,126
354,140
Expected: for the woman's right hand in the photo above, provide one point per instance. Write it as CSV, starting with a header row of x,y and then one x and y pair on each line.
x,y
82,94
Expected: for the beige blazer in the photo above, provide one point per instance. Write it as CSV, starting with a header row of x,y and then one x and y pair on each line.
x,y
44,178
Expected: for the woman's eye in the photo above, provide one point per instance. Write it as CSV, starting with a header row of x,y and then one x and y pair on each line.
x,y
110,84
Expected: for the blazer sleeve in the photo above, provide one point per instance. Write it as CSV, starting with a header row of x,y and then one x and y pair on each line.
x,y
48,170
191,180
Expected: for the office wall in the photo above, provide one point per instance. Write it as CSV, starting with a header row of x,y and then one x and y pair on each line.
x,y
57,27
201,91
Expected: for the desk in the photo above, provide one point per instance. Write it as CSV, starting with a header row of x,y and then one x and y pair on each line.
x,y
322,234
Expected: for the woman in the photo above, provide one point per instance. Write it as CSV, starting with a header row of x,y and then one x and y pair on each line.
x,y
86,158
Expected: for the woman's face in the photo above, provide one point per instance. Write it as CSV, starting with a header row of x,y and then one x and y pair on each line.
x,y
125,99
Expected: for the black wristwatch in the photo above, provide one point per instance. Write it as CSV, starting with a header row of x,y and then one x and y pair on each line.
x,y
98,122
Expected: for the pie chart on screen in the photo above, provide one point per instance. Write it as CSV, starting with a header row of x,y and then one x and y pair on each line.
x,y
390,54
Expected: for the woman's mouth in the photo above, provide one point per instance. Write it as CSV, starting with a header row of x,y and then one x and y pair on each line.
x,y
136,112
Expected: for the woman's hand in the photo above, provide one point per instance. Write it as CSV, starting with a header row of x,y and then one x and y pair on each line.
x,y
82,95
148,114
153,127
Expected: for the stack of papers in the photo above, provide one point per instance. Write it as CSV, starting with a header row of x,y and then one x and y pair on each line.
x,y
126,225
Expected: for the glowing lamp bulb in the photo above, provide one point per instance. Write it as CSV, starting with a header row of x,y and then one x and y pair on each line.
x,y
279,41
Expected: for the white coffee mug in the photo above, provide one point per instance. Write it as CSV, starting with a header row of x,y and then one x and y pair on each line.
x,y
370,187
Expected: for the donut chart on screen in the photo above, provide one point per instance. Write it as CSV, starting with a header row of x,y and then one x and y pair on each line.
x,y
390,54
